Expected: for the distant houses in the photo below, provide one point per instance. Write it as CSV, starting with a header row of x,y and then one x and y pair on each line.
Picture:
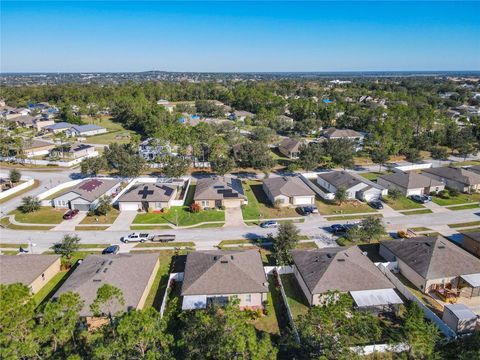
x,y
288,191
75,130
456,178
37,147
290,147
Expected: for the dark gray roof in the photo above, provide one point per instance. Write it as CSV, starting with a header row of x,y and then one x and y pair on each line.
x,y
35,143
148,192
59,126
338,268
410,180
433,257
24,268
219,188
288,186
475,236
128,272
456,174
475,169
340,179
224,272
92,189
290,144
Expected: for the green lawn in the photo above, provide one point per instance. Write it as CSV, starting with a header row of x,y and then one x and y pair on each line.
x,y
372,176
146,227
454,200
259,206
164,244
351,217
91,228
119,137
270,322
296,300
182,214
402,203
306,245
12,246
21,192
419,228
466,163
348,207
9,252
50,288
464,207
417,212
465,224
109,218
45,215
5,222
104,121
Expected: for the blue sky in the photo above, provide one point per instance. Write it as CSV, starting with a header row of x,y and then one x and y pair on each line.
x,y
239,36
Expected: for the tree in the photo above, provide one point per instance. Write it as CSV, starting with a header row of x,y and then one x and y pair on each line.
x,y
174,166
108,302
15,176
104,206
370,228
68,245
124,159
394,193
341,152
311,156
30,204
439,153
379,155
412,155
419,334
92,166
257,155
287,238
222,165
341,195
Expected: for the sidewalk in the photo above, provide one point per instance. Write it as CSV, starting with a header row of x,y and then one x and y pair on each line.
x,y
69,225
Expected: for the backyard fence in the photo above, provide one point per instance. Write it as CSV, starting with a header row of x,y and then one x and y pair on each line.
x,y
173,276
16,189
306,178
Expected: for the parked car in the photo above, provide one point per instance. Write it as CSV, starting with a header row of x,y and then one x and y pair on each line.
x,y
307,210
269,224
135,237
422,199
163,238
376,204
70,214
113,249
338,228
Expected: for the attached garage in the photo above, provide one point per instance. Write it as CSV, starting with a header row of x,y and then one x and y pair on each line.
x,y
232,203
129,206
80,204
303,200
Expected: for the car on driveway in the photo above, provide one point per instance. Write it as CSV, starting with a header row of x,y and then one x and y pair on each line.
x,y
70,214
135,237
269,224
338,228
113,249
422,199
376,204
307,210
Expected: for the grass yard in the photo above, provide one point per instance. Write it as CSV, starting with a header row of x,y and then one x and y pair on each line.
x,y
182,214
276,317
165,244
109,218
306,245
476,229
119,137
5,222
348,207
296,300
463,207
146,227
456,200
12,246
104,121
9,252
91,228
419,228
465,224
466,163
402,203
45,215
417,212
372,176
351,217
21,192
259,206
50,288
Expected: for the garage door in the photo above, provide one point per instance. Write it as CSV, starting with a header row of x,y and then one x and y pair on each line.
x,y
369,196
302,200
232,203
81,207
128,206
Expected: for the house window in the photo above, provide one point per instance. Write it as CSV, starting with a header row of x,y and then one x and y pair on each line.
x,y
248,298
158,205
205,203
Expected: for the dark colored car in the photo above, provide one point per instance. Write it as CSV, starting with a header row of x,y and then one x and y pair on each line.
x,y
113,249
338,228
70,214
422,199
307,210
376,204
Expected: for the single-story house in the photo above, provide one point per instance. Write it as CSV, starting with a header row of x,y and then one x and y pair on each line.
x,y
290,147
334,134
356,186
471,242
133,274
457,178
410,183
432,263
58,127
30,270
75,130
75,151
149,149
459,318
215,276
37,147
346,270
147,196
85,196
218,191
287,191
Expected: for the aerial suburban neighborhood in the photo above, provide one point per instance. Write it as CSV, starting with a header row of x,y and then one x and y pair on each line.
x,y
249,215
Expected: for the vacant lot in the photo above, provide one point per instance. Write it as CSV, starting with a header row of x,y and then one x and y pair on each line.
x,y
402,203
45,215
116,132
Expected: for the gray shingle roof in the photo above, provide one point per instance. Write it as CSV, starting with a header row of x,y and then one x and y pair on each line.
x,y
475,236
128,272
410,180
59,126
35,143
433,257
219,188
148,192
456,174
288,186
340,179
92,189
338,268
475,169
290,144
224,272
24,268
342,133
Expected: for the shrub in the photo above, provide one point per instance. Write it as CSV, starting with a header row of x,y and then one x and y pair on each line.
x,y
222,207
453,192
443,194
195,208
30,204
15,176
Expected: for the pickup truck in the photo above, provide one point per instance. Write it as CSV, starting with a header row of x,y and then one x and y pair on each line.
x,y
163,238
135,237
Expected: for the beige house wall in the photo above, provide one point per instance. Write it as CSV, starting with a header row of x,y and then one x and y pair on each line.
x,y
211,203
45,277
141,303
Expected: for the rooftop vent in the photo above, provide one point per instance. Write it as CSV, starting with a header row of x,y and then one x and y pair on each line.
x,y
441,246
97,280
231,257
224,261
341,260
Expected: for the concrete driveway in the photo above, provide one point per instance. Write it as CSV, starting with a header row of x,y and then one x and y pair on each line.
x,y
123,221
69,225
234,217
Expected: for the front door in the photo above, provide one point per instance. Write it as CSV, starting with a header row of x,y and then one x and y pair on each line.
x,y
218,203
145,205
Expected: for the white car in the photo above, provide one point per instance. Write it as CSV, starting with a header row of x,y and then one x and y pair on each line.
x,y
135,237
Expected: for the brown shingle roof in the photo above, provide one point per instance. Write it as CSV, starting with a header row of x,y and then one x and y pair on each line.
x,y
24,268
433,257
128,272
342,133
92,189
219,188
148,192
340,179
288,186
410,180
224,272
290,144
338,268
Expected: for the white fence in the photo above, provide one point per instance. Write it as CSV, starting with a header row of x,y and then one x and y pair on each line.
x,y
16,189
429,314
281,270
289,312
379,348
307,179
409,166
173,276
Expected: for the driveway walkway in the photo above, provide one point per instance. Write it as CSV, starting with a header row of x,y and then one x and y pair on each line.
x,y
69,225
435,207
388,211
234,217
123,221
